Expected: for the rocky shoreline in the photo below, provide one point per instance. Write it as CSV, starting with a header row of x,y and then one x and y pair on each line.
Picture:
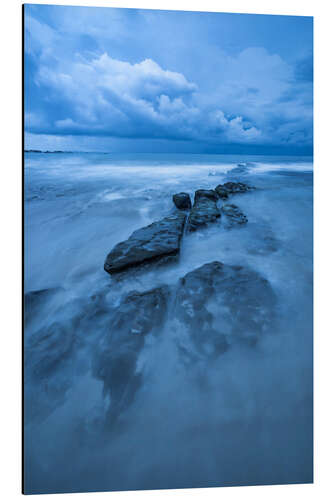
x,y
243,304
160,241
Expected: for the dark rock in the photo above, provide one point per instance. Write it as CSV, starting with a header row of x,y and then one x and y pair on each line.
x,y
139,312
34,297
157,241
205,193
207,311
48,369
218,304
233,187
204,210
222,192
115,361
35,300
47,349
234,215
182,201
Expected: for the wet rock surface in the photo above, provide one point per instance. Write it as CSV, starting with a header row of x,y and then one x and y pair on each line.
x,y
115,360
204,210
35,300
218,304
160,241
208,310
205,193
205,312
48,357
182,201
47,348
234,215
236,187
229,188
222,192
154,242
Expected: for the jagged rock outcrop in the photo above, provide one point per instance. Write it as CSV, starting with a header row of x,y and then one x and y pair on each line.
x,y
204,210
182,201
159,240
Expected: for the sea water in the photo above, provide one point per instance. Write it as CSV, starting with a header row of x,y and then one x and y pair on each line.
x,y
251,421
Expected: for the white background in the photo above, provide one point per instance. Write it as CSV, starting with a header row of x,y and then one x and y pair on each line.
x,y
10,247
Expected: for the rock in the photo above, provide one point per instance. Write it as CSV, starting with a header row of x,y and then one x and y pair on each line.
x,y
139,312
204,210
222,192
218,304
49,368
182,201
35,300
47,349
233,188
205,312
157,241
205,193
115,361
234,215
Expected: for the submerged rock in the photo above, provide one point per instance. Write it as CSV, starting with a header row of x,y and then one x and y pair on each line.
x,y
218,304
204,210
47,349
115,362
49,367
264,241
204,313
35,300
234,215
157,241
182,201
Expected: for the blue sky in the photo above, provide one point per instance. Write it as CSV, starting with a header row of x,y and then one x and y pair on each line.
x,y
127,80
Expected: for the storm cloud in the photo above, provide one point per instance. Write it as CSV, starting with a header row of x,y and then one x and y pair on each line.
x,y
107,75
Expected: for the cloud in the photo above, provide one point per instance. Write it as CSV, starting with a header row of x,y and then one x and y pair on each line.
x,y
250,96
109,97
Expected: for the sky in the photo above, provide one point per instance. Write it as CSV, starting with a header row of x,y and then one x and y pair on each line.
x,y
128,80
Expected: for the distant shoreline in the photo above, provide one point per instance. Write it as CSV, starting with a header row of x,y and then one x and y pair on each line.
x,y
40,151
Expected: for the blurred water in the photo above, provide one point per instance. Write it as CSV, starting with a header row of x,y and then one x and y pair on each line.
x,y
250,421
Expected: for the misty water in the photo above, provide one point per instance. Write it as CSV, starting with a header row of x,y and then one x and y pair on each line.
x,y
193,419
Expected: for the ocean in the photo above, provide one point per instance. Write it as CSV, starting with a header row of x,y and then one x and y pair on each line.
x,y
243,417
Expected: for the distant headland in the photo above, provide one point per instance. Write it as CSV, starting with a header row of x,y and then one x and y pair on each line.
x,y
40,151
